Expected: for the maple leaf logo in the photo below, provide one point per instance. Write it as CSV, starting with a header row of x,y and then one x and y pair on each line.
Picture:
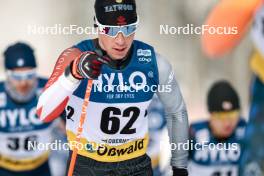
x,y
121,20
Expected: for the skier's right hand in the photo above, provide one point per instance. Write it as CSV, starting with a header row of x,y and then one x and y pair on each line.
x,y
88,65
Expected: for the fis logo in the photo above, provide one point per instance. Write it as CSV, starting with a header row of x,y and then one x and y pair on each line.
x,y
146,53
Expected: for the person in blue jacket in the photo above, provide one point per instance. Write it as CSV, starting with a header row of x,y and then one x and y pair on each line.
x,y
19,125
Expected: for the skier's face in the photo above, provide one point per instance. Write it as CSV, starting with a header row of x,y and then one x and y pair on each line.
x,y
118,47
223,124
22,84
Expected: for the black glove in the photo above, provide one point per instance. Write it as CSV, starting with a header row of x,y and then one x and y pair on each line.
x,y
179,171
88,65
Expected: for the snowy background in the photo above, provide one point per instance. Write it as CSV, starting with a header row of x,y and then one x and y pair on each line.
x,y
195,73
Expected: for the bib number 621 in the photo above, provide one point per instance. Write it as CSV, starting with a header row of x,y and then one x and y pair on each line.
x,y
110,120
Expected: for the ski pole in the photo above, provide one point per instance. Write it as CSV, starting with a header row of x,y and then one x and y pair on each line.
x,y
80,127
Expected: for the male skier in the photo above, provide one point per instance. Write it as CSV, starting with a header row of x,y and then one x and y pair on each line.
x,y
20,127
125,73
224,130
